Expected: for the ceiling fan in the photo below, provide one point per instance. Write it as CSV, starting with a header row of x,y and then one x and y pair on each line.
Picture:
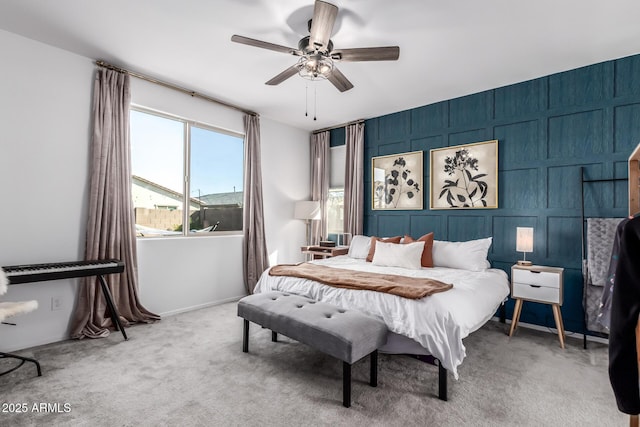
x,y
316,52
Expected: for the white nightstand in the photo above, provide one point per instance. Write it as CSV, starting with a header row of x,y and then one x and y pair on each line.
x,y
538,284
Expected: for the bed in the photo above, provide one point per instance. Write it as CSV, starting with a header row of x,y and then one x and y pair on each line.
x,y
434,325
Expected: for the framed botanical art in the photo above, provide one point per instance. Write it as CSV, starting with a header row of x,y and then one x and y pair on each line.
x,y
464,176
396,181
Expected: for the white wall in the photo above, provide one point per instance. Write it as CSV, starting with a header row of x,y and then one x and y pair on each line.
x,y
45,106
184,273
286,179
45,119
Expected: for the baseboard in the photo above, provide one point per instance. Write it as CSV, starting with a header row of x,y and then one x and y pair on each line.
x,y
29,344
50,340
199,306
569,334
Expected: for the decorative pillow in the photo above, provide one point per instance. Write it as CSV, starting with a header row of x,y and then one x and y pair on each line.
x,y
359,247
375,239
427,257
470,255
393,255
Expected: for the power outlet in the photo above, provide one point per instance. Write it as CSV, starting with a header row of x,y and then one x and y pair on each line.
x,y
56,303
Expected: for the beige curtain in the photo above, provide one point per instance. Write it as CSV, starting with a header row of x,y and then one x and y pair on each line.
x,y
110,225
354,179
320,182
255,255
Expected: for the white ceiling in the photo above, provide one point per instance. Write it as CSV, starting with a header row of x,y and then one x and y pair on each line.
x,y
447,48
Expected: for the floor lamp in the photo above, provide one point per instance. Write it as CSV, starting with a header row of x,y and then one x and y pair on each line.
x,y
307,210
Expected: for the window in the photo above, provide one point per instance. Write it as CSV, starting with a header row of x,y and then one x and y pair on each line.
x,y
184,173
335,211
335,200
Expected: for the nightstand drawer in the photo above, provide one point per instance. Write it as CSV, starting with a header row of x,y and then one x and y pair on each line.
x,y
534,277
536,293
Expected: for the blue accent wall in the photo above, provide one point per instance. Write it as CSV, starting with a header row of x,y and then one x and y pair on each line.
x,y
547,129
337,137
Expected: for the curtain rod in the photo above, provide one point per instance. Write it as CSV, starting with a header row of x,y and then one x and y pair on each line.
x,y
338,126
103,64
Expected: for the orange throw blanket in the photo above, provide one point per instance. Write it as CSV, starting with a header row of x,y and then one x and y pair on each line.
x,y
407,287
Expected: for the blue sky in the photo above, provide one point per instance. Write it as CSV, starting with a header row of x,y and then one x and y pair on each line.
x,y
157,154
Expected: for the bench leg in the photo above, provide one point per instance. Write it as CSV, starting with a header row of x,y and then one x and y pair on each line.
x,y
373,366
245,337
274,336
442,382
346,384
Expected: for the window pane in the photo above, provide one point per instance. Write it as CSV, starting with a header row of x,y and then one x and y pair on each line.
x,y
216,166
335,211
157,168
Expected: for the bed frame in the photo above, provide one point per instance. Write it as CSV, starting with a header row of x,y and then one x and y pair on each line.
x,y
401,345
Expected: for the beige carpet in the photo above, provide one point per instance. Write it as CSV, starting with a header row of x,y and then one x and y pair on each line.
x,y
189,370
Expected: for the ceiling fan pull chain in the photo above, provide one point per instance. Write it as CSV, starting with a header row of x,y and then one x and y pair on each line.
x,y
306,99
315,101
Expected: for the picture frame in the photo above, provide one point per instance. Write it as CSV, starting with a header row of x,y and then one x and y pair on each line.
x,y
464,176
397,181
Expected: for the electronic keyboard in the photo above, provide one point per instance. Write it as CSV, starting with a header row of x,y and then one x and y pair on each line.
x,y
61,270
67,270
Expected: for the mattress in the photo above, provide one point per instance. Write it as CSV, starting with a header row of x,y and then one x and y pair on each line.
x,y
438,322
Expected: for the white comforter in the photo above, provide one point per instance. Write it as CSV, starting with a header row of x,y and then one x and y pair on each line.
x,y
438,322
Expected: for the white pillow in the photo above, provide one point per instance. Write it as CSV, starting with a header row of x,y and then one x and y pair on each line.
x,y
470,255
359,246
394,255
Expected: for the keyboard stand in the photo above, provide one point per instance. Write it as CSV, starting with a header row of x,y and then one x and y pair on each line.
x,y
30,273
115,316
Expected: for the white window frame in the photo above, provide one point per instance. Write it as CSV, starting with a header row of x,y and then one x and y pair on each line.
x,y
186,167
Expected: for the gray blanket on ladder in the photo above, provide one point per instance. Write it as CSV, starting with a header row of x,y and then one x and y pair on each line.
x,y
600,235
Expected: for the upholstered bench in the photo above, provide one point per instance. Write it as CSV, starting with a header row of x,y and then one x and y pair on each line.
x,y
348,335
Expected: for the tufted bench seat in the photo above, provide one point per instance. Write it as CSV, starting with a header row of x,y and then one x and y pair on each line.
x,y
348,335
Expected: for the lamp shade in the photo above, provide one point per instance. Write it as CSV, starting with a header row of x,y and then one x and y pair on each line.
x,y
524,239
307,209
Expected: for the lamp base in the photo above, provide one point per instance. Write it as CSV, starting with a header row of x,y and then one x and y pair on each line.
x,y
521,262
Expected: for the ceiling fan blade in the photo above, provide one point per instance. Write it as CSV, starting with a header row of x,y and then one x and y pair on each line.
x,y
284,75
265,45
387,53
324,16
339,80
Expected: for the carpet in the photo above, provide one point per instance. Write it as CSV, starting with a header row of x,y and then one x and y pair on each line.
x,y
189,370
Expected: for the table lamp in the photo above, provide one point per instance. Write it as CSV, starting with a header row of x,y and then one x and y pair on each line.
x,y
524,243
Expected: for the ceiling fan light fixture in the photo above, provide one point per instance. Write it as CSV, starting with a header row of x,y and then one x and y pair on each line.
x,y
316,51
314,67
